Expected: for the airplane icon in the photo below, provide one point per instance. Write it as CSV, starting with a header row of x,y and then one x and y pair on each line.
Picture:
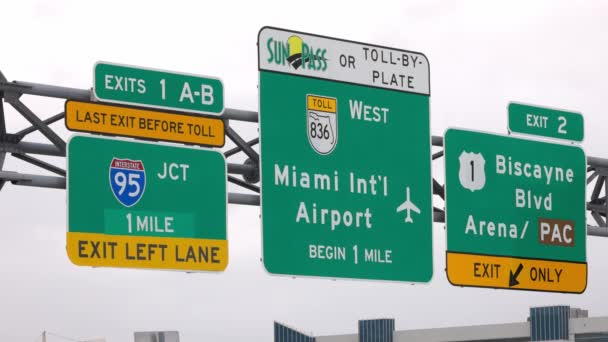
x,y
409,206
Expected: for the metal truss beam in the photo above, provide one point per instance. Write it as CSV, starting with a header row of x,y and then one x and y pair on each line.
x,y
28,88
22,133
244,184
33,180
238,149
14,101
2,133
242,144
10,92
29,147
40,163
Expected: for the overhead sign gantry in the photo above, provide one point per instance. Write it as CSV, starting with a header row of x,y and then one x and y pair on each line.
x,y
345,158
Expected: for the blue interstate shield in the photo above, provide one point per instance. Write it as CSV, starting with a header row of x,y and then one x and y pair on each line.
x,y
127,180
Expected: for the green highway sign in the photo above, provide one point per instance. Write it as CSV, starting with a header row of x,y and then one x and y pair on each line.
x,y
345,158
146,205
546,122
158,89
515,213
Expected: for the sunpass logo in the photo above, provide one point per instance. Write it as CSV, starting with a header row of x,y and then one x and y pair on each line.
x,y
296,53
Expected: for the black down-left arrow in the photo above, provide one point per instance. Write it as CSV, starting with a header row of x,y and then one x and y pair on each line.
x,y
513,276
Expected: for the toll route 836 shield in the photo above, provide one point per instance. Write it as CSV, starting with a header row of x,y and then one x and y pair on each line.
x,y
322,123
127,180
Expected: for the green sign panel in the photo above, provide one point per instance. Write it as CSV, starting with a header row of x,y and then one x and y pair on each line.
x,y
546,122
515,213
144,205
345,158
156,88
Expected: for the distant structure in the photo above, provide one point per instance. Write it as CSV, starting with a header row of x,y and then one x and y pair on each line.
x,y
45,334
283,333
551,323
156,336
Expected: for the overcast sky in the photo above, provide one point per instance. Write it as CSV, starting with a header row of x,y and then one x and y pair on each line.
x,y
482,55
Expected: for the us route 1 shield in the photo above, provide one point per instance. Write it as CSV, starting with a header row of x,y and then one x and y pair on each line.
x,y
345,158
144,205
515,213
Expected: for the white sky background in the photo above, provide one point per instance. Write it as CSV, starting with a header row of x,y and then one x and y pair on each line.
x,y
482,54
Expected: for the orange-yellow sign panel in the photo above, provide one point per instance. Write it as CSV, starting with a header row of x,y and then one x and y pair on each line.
x,y
322,103
92,249
143,123
516,273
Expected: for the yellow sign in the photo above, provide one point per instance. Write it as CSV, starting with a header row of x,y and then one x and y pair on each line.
x,y
321,103
91,249
516,273
143,123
